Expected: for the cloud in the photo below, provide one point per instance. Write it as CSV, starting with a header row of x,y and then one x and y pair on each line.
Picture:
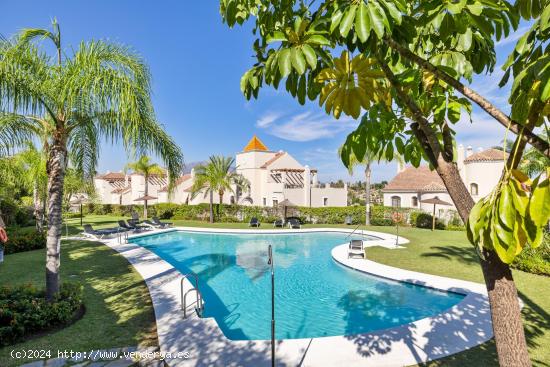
x,y
306,126
516,35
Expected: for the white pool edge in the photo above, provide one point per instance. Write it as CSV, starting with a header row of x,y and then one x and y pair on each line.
x,y
461,327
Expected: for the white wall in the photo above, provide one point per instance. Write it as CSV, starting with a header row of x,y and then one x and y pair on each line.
x,y
485,174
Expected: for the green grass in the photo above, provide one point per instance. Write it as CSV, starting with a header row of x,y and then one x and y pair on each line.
x,y
119,312
445,253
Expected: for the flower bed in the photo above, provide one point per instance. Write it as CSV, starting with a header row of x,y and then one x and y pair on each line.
x,y
24,311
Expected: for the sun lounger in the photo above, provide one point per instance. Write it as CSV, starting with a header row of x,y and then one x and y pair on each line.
x,y
157,221
349,220
294,223
279,223
98,234
254,222
356,248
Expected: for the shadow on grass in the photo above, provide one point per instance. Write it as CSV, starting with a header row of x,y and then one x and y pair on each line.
x,y
464,255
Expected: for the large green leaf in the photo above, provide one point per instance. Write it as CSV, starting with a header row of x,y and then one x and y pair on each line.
x,y
285,64
277,36
376,20
395,14
539,205
507,212
545,18
298,60
347,20
317,39
362,22
310,55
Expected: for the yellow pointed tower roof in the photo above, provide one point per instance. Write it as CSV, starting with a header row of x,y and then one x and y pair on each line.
x,y
255,144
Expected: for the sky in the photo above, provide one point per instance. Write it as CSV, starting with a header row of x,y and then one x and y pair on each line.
x,y
196,63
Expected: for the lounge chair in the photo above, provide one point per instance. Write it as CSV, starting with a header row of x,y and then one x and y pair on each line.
x,y
349,220
99,234
136,226
122,224
148,223
356,248
135,217
254,222
157,221
279,223
294,223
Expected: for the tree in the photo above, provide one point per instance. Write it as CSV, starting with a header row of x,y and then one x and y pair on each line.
x,y
147,170
101,90
534,162
410,62
367,160
216,176
242,184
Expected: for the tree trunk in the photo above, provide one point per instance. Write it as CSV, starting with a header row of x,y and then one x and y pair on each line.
x,y
37,206
145,194
56,175
211,206
367,193
220,205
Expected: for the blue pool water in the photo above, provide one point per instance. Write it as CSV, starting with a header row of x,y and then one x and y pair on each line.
x,y
314,295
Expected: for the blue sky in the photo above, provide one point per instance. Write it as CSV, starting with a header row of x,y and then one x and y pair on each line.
x,y
196,63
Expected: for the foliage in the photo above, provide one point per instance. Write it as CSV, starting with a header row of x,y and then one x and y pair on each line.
x,y
21,241
534,162
512,216
13,213
425,220
535,260
24,310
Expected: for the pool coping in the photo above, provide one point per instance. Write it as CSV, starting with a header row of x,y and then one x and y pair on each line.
x,y
463,326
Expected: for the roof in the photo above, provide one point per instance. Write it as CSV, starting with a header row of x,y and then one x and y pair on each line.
x,y
121,190
180,180
112,176
273,159
488,155
255,144
416,179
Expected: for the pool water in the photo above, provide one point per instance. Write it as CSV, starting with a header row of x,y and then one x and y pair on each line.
x,y
314,295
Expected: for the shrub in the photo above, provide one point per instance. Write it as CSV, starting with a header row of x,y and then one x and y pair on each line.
x,y
536,261
381,222
24,241
425,220
24,310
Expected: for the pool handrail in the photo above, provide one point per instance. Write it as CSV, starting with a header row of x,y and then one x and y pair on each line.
x,y
200,306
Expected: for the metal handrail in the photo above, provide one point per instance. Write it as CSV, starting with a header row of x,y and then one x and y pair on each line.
x,y
352,232
199,308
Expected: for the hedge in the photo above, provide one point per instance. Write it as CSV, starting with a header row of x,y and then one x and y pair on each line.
x,y
24,241
536,261
24,310
380,215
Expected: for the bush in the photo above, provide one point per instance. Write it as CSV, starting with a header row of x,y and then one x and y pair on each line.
x,y
381,222
536,261
24,241
425,220
24,310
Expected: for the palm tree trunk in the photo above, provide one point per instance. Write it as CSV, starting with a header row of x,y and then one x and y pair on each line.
x,y
367,193
504,304
56,175
220,205
211,206
37,205
145,194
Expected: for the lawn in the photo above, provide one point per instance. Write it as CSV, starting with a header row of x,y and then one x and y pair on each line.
x,y
119,307
119,312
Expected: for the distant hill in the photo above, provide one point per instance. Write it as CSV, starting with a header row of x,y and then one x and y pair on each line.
x,y
189,166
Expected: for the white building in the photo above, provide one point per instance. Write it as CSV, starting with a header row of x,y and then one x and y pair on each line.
x,y
273,176
480,173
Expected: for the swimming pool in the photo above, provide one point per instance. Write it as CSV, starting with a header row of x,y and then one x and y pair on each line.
x,y
315,296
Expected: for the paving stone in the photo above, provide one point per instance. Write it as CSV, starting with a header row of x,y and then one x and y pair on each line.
x,y
56,362
34,364
120,363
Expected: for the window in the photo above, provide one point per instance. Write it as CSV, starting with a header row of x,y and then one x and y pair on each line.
x,y
474,189
414,201
275,202
264,201
396,201
325,201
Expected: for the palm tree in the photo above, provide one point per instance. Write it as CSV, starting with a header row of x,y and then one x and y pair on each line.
x,y
242,184
367,162
215,176
534,162
147,170
101,90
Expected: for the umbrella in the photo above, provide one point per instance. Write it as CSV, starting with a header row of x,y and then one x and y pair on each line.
x,y
79,200
144,198
435,201
285,204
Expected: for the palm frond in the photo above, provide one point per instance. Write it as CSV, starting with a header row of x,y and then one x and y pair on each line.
x,y
15,132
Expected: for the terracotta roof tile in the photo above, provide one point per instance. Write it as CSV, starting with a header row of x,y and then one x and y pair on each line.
x,y
275,157
113,176
487,156
416,179
179,181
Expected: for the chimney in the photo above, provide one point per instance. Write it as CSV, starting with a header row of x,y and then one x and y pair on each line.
x,y
469,151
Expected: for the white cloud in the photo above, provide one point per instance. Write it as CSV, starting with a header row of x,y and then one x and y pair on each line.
x,y
306,126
